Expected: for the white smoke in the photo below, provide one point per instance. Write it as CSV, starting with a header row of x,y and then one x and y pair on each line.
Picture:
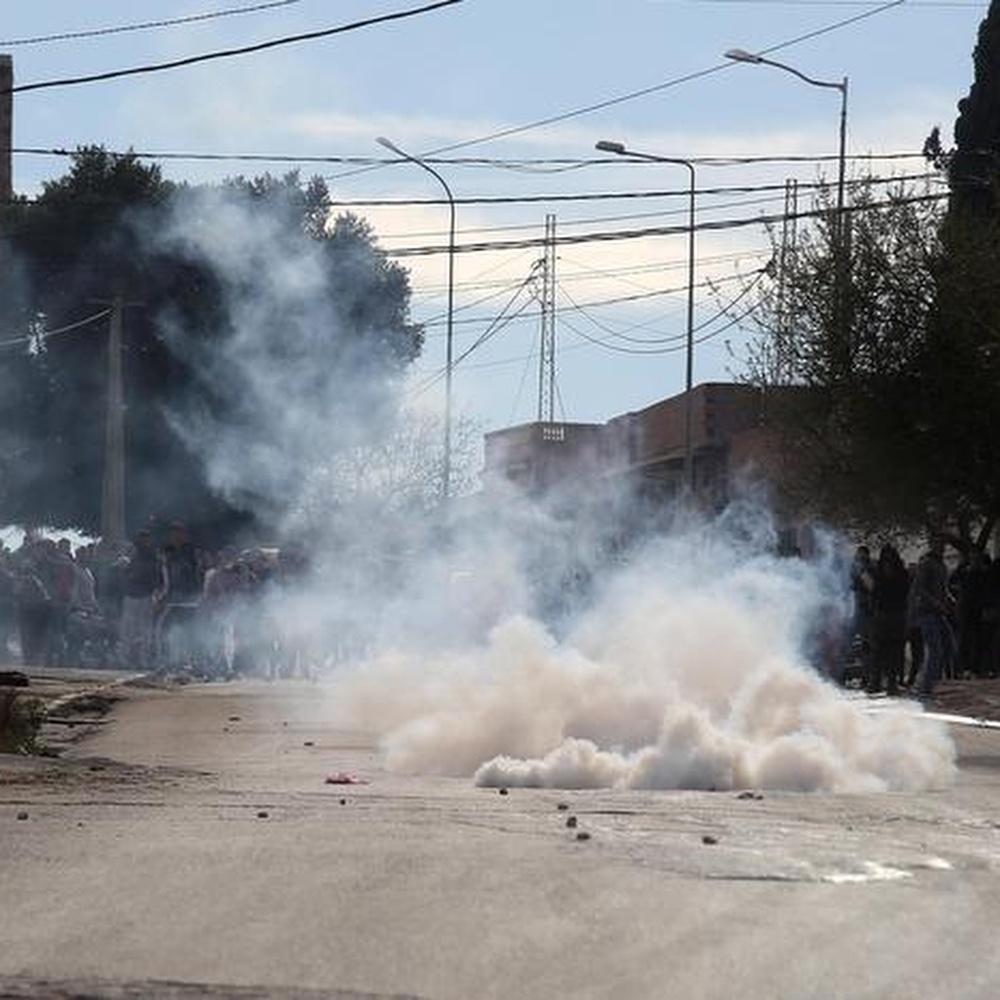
x,y
687,672
300,391
520,644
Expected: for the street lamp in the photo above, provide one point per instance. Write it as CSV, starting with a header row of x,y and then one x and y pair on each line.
x,y
619,149
449,339
840,230
741,55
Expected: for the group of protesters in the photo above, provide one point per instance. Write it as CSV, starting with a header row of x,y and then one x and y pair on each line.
x,y
916,625
153,604
161,603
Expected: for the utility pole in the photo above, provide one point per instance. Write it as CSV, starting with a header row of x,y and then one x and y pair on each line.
x,y
113,493
547,353
6,133
113,486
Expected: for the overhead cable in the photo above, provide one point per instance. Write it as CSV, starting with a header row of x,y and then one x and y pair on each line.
x,y
46,334
144,25
468,161
631,234
229,53
644,92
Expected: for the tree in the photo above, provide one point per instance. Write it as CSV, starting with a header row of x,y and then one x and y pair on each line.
x,y
64,250
893,421
973,162
850,372
886,414
245,308
963,348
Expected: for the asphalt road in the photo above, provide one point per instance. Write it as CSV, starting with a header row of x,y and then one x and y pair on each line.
x,y
190,847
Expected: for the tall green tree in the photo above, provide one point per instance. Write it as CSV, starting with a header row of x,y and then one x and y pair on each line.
x,y
893,415
974,162
844,366
227,289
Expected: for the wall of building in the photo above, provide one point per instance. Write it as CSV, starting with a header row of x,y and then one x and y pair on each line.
x,y
647,445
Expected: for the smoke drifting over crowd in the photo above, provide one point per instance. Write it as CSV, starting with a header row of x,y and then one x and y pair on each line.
x,y
687,671
511,645
300,390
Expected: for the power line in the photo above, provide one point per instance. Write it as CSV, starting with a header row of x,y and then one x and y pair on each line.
x,y
579,272
631,234
644,92
144,25
597,342
777,189
495,326
630,195
614,195
466,161
946,4
437,321
229,53
46,334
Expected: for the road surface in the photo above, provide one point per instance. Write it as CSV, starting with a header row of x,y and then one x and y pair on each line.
x,y
191,847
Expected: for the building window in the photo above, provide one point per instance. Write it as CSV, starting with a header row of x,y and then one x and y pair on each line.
x,y
553,432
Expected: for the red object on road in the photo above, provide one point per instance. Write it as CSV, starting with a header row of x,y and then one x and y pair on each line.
x,y
343,778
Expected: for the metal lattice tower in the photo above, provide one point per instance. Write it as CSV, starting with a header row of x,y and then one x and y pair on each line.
x,y
547,353
789,234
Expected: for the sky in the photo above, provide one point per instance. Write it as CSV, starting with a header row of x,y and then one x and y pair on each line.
x,y
508,98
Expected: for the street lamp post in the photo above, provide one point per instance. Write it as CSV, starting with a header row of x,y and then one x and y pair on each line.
x,y
840,229
619,149
741,55
449,339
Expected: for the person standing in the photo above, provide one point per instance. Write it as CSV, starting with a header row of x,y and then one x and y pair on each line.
x,y
862,582
177,626
33,604
968,585
932,605
890,593
143,584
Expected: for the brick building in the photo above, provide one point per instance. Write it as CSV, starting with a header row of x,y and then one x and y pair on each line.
x,y
645,449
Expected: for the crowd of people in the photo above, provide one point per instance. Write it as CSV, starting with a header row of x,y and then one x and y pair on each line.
x,y
152,604
161,603
916,625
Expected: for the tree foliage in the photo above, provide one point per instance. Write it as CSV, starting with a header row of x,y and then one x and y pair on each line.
x,y
891,406
887,385
199,270
973,162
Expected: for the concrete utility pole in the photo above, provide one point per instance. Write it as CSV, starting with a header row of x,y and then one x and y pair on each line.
x,y
113,493
6,133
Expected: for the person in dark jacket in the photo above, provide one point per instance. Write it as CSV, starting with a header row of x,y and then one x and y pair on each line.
x,y
32,601
968,585
143,584
178,622
932,605
889,595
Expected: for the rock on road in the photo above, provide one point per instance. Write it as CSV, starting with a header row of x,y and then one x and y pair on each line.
x,y
190,847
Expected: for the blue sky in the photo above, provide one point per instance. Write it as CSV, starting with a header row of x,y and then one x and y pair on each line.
x,y
479,73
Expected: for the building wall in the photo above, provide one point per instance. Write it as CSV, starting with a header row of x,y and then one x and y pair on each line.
x,y
542,456
647,445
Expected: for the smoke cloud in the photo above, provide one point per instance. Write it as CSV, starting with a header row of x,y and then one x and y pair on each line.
x,y
298,391
686,671
518,643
